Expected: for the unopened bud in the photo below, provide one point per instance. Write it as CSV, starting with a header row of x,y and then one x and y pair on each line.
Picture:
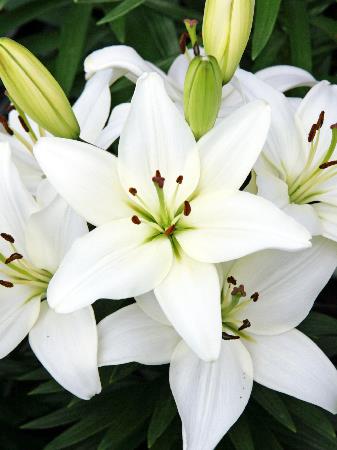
x,y
226,29
202,94
34,91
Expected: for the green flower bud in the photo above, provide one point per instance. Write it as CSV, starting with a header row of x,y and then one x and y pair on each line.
x,y
202,94
34,91
226,29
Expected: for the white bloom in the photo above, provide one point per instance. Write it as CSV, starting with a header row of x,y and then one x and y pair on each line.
x,y
32,244
298,168
260,342
165,211
92,111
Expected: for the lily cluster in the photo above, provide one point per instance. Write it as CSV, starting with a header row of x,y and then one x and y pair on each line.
x,y
224,237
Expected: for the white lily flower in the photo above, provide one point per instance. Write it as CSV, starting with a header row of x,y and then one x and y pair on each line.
x,y
259,342
125,61
92,111
166,209
297,170
32,244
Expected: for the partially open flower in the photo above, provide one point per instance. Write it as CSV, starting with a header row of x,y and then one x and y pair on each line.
x,y
34,91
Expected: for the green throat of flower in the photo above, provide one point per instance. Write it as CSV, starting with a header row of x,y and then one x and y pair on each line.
x,y
167,220
308,185
16,270
233,301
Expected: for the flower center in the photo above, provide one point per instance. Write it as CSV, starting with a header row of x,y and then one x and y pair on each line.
x,y
233,301
16,270
166,220
309,184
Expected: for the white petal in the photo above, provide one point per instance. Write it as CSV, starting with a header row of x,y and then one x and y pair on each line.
x,y
93,106
16,203
130,335
190,298
156,137
210,396
227,225
229,151
178,70
286,77
322,97
283,147
148,303
287,283
117,260
327,214
85,176
114,127
16,316
293,364
270,185
50,233
307,216
66,345
45,193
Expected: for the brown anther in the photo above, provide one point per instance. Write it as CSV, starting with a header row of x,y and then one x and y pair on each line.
x,y
245,324
231,280
229,337
23,124
13,257
158,174
10,108
312,132
184,38
7,237
187,208
133,191
333,126
240,290
136,220
255,296
327,164
196,49
4,123
170,230
159,180
320,120
6,284
179,180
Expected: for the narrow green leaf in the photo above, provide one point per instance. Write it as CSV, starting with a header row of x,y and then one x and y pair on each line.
x,y
299,33
317,324
326,24
266,12
241,436
35,375
274,405
57,418
119,11
3,3
49,387
163,33
163,414
119,28
72,45
173,10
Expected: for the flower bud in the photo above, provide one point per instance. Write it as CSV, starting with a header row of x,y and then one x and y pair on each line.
x,y
202,94
226,29
34,91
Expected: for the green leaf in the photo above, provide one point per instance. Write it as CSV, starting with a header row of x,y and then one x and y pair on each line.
x,y
173,10
274,405
326,24
163,414
241,436
35,375
119,11
163,33
72,45
317,324
49,387
299,33
266,12
57,418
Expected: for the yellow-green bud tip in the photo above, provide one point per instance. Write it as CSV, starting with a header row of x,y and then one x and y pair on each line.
x,y
34,91
202,94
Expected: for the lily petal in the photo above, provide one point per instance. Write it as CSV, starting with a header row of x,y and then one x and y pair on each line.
x,y
85,176
114,127
327,214
284,78
50,233
284,299
227,225
210,396
291,363
148,303
66,345
156,137
190,298
130,335
117,260
93,106
229,151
